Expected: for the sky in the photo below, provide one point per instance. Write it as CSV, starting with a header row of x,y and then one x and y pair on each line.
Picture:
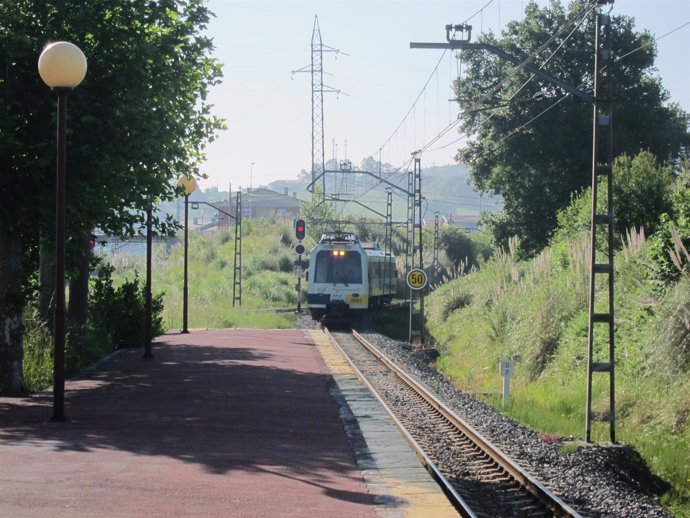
x,y
379,105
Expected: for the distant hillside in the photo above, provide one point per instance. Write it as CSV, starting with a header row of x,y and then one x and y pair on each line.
x,y
446,189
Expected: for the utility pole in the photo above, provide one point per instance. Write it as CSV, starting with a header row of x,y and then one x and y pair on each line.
x,y
318,159
416,318
602,169
435,264
387,244
602,172
237,268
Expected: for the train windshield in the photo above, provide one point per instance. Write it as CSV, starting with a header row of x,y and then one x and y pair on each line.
x,y
338,267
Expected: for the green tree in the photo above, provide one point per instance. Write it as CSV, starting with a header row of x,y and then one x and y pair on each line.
x,y
641,192
317,213
531,143
458,246
139,119
676,221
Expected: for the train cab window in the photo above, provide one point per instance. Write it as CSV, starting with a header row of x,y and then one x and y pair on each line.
x,y
343,268
321,267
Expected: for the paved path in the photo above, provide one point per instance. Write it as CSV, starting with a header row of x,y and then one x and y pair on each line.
x,y
234,423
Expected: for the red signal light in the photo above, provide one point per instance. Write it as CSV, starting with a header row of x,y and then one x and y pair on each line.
x,y
300,229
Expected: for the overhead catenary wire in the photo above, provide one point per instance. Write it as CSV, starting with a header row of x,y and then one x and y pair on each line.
x,y
512,97
419,95
577,19
433,72
654,40
565,96
403,168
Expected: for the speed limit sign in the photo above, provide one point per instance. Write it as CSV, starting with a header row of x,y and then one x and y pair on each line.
x,y
416,279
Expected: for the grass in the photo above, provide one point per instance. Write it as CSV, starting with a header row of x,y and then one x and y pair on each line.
x,y
535,312
38,353
267,278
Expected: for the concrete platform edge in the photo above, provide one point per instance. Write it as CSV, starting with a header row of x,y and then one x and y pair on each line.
x,y
407,493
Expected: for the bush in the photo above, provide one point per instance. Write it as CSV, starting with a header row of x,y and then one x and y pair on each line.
x,y
286,264
641,192
448,298
676,220
458,246
286,238
118,313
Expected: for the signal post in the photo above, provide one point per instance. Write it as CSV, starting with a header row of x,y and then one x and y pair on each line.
x,y
416,280
300,233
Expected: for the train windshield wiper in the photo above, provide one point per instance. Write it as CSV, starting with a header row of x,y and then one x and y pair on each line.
x,y
342,277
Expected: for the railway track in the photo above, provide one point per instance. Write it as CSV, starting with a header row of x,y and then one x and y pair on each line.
x,y
478,478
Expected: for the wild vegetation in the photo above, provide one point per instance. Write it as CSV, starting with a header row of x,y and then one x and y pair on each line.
x,y
535,312
268,278
116,316
115,320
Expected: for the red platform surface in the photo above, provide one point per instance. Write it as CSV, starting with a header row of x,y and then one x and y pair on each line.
x,y
235,423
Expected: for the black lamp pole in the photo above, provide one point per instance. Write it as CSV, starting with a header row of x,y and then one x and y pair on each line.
x,y
62,66
59,317
148,331
185,287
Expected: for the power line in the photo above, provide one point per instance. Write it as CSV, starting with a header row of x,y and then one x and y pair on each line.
x,y
481,9
654,40
583,18
414,103
577,19
641,47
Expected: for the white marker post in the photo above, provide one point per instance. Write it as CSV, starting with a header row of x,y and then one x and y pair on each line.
x,y
506,368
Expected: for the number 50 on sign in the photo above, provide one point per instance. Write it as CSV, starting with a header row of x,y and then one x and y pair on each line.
x,y
416,279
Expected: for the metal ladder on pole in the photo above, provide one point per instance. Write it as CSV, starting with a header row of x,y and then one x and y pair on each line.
x,y
388,246
416,334
601,353
435,263
237,275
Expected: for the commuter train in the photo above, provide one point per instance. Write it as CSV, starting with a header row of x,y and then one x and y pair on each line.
x,y
346,277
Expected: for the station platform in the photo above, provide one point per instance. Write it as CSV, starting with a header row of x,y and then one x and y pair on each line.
x,y
220,423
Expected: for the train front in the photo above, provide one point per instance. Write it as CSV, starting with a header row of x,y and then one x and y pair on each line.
x,y
337,277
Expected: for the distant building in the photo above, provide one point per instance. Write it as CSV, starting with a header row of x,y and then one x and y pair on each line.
x,y
470,222
257,204
268,204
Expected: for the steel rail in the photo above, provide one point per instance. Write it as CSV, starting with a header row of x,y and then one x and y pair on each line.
x,y
546,497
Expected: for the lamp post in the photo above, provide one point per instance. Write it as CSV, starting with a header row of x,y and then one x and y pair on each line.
x,y
148,313
189,185
62,66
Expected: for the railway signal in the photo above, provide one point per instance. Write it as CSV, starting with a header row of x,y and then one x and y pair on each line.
x,y
300,232
300,229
